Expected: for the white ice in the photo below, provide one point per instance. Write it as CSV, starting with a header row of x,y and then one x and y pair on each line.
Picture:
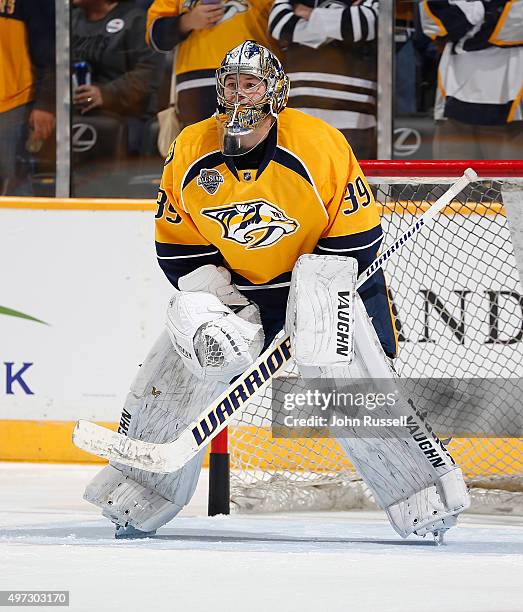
x,y
351,561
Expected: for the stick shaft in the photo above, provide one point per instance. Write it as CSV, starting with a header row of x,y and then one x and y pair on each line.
x,y
417,226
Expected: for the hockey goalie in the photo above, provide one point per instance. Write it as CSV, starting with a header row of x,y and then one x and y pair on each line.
x,y
264,219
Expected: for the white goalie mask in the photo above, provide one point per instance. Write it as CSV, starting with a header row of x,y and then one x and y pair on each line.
x,y
248,104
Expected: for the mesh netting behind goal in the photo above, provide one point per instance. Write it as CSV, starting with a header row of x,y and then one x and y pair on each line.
x,y
458,302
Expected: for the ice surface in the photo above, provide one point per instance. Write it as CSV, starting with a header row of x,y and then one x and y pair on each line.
x,y
351,561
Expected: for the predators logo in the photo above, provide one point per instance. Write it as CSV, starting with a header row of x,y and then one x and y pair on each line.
x,y
256,224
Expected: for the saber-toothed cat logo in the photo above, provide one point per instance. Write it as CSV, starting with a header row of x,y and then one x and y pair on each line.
x,y
256,224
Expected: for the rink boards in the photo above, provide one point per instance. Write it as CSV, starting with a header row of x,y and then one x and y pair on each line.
x,y
83,300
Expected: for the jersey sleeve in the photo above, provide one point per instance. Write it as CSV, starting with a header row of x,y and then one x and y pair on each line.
x,y
180,248
353,24
354,230
354,226
452,19
162,31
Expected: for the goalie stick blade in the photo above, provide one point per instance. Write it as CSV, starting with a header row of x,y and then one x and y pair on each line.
x,y
111,445
92,438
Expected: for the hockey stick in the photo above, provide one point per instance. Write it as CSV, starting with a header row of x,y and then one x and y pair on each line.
x,y
170,456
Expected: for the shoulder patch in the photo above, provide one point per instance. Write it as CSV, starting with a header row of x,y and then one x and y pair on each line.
x,y
209,179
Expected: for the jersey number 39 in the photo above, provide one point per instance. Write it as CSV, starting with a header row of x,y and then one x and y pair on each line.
x,y
162,201
357,193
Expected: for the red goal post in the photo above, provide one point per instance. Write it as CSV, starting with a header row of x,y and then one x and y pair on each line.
x,y
455,298
444,169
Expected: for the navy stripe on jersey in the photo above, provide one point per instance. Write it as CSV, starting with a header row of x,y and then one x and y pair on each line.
x,y
165,33
229,162
354,242
374,294
209,161
245,285
271,299
183,251
284,158
243,161
270,148
475,113
175,268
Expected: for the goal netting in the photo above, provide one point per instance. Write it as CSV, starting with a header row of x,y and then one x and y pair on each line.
x,y
457,297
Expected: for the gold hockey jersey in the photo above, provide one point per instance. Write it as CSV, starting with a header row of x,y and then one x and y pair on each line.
x,y
26,54
205,49
308,195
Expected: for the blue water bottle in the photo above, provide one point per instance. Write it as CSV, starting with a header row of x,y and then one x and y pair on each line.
x,y
81,74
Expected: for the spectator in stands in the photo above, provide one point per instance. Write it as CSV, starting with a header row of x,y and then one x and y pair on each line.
x,y
143,4
26,87
330,57
109,36
202,32
479,110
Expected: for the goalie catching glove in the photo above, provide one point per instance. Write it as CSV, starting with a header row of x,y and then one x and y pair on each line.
x,y
213,341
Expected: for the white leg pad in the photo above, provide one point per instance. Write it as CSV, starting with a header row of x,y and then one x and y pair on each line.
x,y
433,509
409,472
171,399
124,501
320,311
164,399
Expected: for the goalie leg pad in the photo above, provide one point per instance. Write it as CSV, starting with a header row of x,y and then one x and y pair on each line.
x,y
408,470
164,399
433,509
172,399
126,502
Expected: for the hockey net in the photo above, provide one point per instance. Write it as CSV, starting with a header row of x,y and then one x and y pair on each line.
x,y
458,301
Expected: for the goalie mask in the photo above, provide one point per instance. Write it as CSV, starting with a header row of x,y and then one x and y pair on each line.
x,y
252,89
